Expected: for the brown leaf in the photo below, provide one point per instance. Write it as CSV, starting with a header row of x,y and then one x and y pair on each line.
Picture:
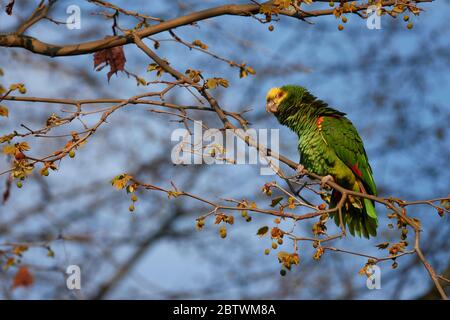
x,y
4,111
23,278
288,259
383,245
319,253
291,203
276,201
219,218
267,189
7,191
120,181
7,138
263,231
200,44
9,149
213,83
276,233
114,57
19,250
9,7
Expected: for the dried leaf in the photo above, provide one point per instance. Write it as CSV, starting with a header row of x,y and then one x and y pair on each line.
x,y
141,81
262,231
18,86
120,181
22,146
4,111
291,203
266,189
155,67
54,120
383,245
23,278
50,253
276,201
319,253
173,194
114,57
223,217
194,75
9,7
276,233
200,44
200,224
288,259
244,71
9,149
7,138
213,83
7,191
320,226
9,263
18,250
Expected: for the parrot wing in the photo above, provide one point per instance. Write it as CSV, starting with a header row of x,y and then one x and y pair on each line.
x,y
340,134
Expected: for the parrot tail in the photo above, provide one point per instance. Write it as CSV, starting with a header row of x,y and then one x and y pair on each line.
x,y
358,215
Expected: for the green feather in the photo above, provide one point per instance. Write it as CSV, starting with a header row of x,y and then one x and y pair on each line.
x,y
370,209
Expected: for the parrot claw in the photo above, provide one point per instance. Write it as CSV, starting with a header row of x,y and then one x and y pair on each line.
x,y
300,170
324,180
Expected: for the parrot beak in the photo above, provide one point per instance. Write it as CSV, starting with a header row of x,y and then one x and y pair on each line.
x,y
271,106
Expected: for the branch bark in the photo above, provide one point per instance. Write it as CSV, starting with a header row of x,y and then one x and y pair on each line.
x,y
39,47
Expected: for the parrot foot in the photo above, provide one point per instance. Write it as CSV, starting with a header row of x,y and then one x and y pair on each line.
x,y
324,180
299,171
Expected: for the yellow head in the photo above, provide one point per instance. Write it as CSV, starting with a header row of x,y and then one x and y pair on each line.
x,y
274,98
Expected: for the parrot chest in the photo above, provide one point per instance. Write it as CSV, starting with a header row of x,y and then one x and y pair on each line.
x,y
315,154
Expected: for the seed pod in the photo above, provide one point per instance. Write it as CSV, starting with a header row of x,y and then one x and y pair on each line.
x,y
223,232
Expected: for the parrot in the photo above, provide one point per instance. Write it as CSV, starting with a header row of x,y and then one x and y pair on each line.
x,y
330,146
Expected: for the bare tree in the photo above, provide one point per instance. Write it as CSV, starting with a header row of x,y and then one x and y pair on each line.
x,y
64,211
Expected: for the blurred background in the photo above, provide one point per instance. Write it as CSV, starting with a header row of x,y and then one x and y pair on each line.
x,y
393,83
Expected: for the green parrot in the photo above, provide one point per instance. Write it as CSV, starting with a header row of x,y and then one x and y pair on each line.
x,y
329,146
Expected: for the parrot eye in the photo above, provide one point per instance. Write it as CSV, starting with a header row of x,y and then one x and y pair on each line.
x,y
280,94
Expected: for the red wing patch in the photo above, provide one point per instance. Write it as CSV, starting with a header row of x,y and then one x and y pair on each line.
x,y
356,170
319,121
